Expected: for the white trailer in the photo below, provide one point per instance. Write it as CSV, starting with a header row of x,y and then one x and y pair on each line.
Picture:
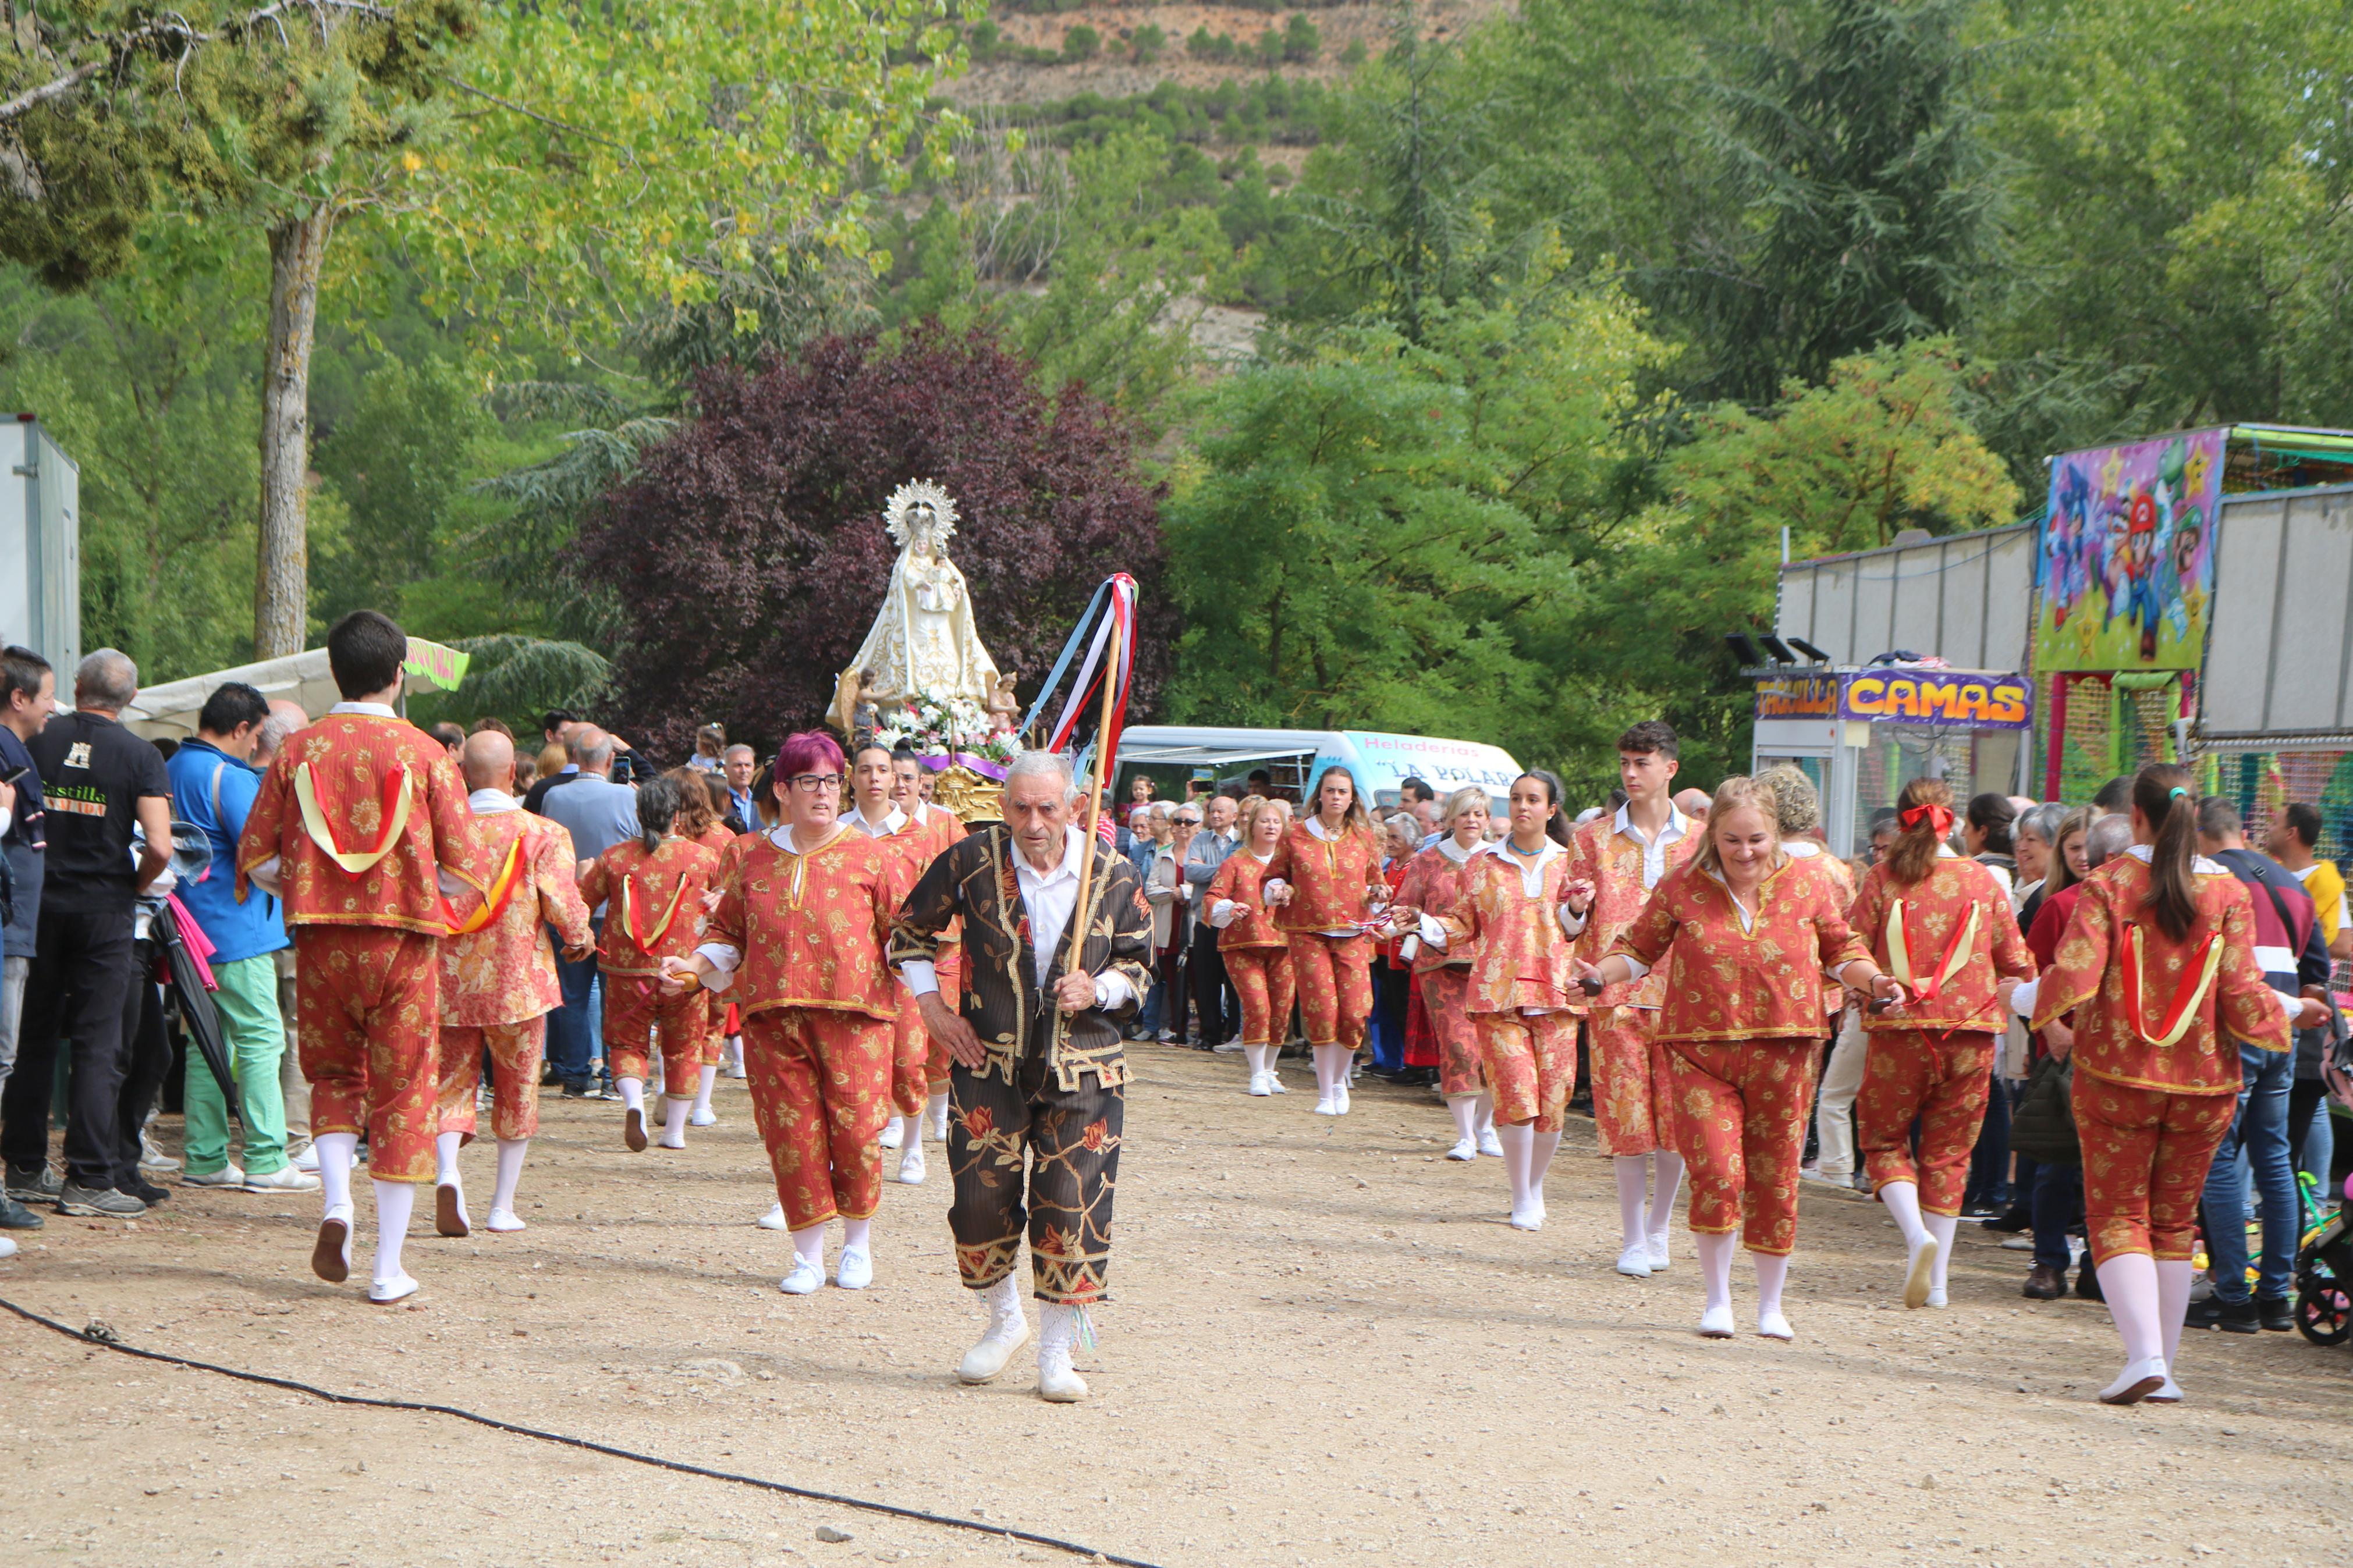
x,y
40,546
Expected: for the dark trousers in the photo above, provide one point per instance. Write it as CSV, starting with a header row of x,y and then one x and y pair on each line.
x,y
1069,1143
147,1061
1989,1183
571,1034
1213,997
2058,1200
82,975
1173,994
1390,987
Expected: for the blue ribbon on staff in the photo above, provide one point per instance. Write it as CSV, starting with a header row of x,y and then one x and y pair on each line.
x,y
1070,652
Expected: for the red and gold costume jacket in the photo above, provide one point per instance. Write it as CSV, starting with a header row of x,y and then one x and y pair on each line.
x,y
496,966
1612,862
1328,877
715,839
811,929
1433,883
360,812
2153,1013
1947,938
1241,877
654,902
1519,955
1730,982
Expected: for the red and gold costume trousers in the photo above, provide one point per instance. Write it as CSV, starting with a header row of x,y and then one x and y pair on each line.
x,y
1939,1078
1531,1065
1461,1064
820,1082
910,1056
1633,1088
715,1030
1334,980
2145,1154
1260,977
367,1009
635,1008
515,1051
1740,1126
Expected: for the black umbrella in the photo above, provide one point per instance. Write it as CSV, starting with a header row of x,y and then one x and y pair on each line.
x,y
186,983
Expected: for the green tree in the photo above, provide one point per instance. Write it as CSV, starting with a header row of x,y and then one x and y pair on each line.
x,y
1081,43
403,465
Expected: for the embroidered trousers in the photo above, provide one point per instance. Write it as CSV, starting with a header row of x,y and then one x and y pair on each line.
x,y
1333,976
1633,1090
1461,1064
516,1050
820,1082
1028,1155
1531,1065
2145,1154
1939,1077
1261,977
367,1004
635,1009
1740,1125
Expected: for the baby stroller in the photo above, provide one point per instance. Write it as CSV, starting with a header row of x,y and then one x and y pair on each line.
x,y
2324,1276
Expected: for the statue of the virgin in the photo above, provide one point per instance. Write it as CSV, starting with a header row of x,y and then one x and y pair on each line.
x,y
923,641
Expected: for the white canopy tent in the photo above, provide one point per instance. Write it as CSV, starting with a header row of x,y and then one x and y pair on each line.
x,y
169,711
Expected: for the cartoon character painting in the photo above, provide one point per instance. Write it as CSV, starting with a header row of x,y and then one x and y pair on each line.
x,y
2127,565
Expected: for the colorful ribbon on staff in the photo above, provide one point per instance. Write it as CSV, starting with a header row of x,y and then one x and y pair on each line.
x,y
1112,608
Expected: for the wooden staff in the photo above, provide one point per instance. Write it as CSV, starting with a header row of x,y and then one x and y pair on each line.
x,y
1078,921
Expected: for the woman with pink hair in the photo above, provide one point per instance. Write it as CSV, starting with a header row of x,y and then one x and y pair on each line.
x,y
800,937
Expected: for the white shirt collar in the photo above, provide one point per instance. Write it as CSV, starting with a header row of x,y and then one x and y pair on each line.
x,y
1459,856
2199,864
1677,825
372,709
1315,825
1800,848
889,825
781,835
1073,841
489,802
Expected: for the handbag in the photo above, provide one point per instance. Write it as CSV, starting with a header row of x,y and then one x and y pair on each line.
x,y
2042,1127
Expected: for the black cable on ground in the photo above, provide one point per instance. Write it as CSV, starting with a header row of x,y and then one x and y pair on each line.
x,y
892,1509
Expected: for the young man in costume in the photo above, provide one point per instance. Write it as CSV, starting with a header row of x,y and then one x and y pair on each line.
x,y
1040,1071
360,829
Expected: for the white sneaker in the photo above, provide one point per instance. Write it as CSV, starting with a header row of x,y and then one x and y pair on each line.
x,y
306,1159
331,1254
1924,1264
856,1270
1465,1150
502,1221
913,1167
1528,1219
1056,1383
988,1357
702,1118
2170,1394
734,1068
774,1219
1275,1084
2138,1381
1774,1326
227,1176
286,1179
385,1292
807,1273
1715,1324
7,1246
1656,1244
1490,1145
1227,1047
1937,1296
1634,1263
1324,1107
1258,1085
891,1134
1340,1099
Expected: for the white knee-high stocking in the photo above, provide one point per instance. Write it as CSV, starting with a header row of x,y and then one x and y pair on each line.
x,y
336,1152
1515,1140
2129,1282
632,1091
702,1090
674,1111
1255,1056
1715,1269
1772,1273
1941,1228
1903,1201
510,1154
1486,1114
1540,1151
937,1110
1664,1186
395,1202
1465,1109
445,1158
2173,1281
1633,1183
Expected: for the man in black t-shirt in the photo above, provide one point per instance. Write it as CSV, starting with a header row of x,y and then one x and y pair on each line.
x,y
98,782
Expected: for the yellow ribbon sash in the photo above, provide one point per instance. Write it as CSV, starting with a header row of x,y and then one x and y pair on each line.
x,y
494,902
629,914
2186,997
1899,951
322,833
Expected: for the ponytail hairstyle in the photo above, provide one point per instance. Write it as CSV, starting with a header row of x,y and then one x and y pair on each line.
x,y
1556,827
1737,793
1924,817
1357,817
657,809
2167,796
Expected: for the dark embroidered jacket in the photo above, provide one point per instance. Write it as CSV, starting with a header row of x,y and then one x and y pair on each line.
x,y
974,878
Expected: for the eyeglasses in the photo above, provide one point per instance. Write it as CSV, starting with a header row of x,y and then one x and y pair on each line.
x,y
1188,822
815,784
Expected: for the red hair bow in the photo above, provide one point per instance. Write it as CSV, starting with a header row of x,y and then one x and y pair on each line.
x,y
1939,817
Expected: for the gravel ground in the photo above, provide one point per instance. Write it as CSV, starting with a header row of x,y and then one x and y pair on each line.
x,y
1323,1344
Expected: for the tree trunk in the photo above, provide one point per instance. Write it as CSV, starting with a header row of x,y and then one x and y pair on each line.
x,y
281,590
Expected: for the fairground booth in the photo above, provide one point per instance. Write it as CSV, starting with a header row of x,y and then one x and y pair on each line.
x,y
2182,596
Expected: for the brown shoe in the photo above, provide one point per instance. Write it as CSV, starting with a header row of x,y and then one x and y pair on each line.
x,y
633,1131
2043,1283
449,1212
330,1254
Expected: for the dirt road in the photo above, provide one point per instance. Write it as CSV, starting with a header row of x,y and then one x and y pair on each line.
x,y
1324,1346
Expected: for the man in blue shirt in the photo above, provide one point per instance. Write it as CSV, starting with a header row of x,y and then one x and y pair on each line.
x,y
598,814
213,787
27,686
